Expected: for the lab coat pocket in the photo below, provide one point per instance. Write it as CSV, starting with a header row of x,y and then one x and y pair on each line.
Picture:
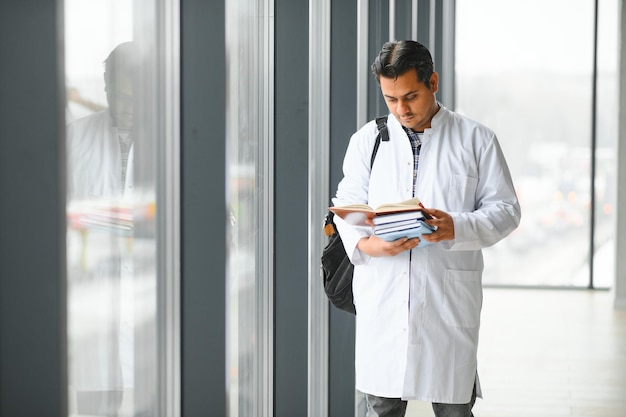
x,y
462,298
463,191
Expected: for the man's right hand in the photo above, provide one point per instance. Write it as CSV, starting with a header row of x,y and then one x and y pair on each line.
x,y
376,247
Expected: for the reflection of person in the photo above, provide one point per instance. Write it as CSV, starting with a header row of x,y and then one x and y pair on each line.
x,y
100,161
418,311
100,145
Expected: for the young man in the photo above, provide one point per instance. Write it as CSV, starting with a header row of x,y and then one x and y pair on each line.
x,y
418,309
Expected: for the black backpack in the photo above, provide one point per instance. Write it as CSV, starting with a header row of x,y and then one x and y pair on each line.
x,y
337,270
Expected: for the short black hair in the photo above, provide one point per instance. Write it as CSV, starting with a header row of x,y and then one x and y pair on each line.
x,y
397,57
123,60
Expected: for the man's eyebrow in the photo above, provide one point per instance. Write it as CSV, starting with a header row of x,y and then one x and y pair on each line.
x,y
406,95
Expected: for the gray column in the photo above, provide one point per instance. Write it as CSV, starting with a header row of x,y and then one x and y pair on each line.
x,y
33,353
203,208
343,121
291,109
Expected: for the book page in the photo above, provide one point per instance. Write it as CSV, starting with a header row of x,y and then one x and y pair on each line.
x,y
412,204
352,207
357,213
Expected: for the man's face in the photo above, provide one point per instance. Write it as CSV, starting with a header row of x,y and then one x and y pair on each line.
x,y
410,100
120,99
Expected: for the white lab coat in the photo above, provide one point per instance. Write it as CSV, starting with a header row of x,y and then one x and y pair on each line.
x,y
100,302
418,313
94,160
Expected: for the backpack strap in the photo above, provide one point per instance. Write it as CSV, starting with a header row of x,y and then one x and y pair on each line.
x,y
383,134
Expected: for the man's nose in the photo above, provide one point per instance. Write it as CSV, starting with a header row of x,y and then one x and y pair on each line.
x,y
126,105
402,107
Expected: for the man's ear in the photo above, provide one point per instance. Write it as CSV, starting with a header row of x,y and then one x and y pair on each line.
x,y
434,82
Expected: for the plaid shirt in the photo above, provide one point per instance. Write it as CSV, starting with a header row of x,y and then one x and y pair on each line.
x,y
416,143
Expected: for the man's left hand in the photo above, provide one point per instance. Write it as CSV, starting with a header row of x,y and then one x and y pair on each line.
x,y
444,223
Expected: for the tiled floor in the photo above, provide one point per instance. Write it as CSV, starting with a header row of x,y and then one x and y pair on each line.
x,y
549,353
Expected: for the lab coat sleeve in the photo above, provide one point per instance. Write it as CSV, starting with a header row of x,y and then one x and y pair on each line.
x,y
353,189
350,235
497,212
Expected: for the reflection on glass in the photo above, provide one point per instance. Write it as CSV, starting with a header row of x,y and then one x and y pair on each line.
x,y
111,214
249,195
99,189
534,87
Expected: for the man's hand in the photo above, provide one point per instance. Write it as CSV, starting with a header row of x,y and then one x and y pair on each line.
x,y
443,222
375,246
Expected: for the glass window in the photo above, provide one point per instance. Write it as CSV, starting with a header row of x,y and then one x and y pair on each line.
x,y
249,143
606,143
114,125
529,76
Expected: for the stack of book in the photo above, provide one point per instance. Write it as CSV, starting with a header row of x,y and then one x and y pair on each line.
x,y
391,221
407,224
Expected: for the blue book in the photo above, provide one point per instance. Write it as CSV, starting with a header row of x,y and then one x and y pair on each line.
x,y
409,232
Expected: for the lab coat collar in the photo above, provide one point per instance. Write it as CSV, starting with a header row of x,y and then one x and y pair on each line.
x,y
439,117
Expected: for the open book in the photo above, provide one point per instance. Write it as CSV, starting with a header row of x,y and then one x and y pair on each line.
x,y
357,214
